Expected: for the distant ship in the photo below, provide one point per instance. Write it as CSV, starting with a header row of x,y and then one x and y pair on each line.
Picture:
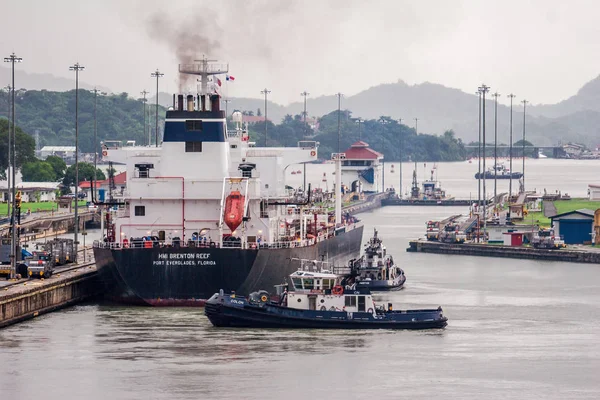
x,y
499,171
208,210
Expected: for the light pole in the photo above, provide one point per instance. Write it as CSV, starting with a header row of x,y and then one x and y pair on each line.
x,y
227,101
95,140
495,95
77,67
484,89
479,155
400,136
13,244
417,126
144,100
523,144
8,187
305,94
511,96
266,92
339,96
156,74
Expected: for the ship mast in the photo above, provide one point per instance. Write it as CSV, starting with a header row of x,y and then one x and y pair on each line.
x,y
204,68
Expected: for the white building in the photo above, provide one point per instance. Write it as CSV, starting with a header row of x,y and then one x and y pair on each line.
x,y
31,191
594,192
64,152
362,170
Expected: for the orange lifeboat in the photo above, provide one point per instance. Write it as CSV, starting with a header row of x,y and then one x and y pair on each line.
x,y
234,210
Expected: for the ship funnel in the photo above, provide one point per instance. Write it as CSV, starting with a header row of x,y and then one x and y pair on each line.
x,y
190,103
214,103
179,102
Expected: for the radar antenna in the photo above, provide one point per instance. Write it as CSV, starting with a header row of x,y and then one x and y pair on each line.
x,y
204,68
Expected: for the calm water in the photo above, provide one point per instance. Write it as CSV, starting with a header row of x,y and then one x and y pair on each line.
x,y
517,330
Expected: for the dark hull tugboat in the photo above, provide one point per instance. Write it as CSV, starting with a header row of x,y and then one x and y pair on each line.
x,y
318,302
376,269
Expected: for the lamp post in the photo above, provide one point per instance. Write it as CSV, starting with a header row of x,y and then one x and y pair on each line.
x,y
8,187
417,126
12,148
144,100
523,144
479,155
227,101
400,136
484,89
95,140
339,96
156,74
266,92
305,94
511,96
77,67
495,95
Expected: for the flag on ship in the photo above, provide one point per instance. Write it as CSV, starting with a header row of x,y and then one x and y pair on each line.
x,y
229,78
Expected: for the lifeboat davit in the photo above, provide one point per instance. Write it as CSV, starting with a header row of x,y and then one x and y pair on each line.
x,y
234,210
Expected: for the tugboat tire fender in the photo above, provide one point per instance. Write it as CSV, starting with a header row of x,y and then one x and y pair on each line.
x,y
323,308
370,311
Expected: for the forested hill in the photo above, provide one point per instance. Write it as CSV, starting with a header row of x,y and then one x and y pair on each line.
x,y
52,114
382,134
120,117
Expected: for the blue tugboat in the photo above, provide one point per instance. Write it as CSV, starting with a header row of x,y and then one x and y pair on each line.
x,y
316,301
376,269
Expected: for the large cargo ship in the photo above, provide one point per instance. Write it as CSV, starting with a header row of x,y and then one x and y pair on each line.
x,y
208,210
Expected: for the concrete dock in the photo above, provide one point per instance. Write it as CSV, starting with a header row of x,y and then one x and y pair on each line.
x,y
486,250
27,298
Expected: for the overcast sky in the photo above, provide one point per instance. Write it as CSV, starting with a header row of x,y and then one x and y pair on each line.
x,y
544,50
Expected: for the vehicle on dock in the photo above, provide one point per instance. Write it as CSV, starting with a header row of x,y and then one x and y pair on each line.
x,y
62,251
433,230
5,267
452,234
545,239
376,269
316,301
40,265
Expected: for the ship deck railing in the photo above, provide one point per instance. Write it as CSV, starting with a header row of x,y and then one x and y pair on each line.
x,y
229,244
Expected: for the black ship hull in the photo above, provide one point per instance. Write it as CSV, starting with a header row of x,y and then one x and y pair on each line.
x,y
187,276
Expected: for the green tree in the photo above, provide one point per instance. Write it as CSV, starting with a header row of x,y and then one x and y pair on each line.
x,y
86,173
25,147
58,165
38,171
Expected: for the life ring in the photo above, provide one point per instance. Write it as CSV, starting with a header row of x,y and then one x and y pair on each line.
x,y
125,243
264,298
313,153
104,153
337,290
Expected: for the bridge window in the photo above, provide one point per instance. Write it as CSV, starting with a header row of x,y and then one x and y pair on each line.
x,y
193,147
350,301
191,125
140,211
